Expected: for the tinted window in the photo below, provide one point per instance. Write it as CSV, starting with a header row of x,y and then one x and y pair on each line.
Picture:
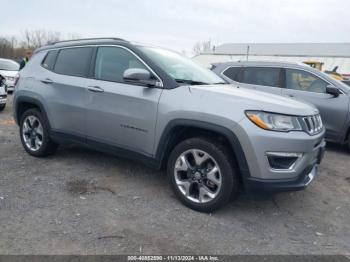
x,y
111,62
264,76
304,81
49,60
232,72
73,61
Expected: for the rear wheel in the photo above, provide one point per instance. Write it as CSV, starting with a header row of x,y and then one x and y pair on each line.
x,y
202,174
34,134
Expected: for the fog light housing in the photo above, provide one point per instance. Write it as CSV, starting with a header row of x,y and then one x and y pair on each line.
x,y
283,160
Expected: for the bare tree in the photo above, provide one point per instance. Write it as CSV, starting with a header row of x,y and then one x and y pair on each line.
x,y
203,46
15,47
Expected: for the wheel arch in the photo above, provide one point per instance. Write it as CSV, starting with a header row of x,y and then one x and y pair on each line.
x,y
180,129
22,104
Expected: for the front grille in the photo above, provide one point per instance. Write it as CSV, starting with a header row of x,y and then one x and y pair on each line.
x,y
313,124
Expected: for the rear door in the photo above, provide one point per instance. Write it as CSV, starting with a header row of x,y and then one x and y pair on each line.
x,y
308,87
118,113
266,79
65,87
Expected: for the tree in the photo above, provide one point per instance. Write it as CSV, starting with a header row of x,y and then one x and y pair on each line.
x,y
15,47
203,46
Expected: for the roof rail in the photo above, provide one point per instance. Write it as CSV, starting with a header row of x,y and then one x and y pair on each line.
x,y
83,39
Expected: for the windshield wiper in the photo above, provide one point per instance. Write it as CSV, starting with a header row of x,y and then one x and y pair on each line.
x,y
191,82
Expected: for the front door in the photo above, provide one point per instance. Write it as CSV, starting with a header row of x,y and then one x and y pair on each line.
x,y
120,114
308,87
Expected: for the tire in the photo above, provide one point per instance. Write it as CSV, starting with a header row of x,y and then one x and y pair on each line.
x,y
187,178
2,107
46,146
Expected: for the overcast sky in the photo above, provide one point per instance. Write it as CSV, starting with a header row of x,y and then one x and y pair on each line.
x,y
180,24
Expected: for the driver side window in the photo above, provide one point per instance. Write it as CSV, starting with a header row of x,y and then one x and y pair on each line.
x,y
111,62
304,81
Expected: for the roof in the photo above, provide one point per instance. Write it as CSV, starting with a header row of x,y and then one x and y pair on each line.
x,y
80,42
263,63
258,62
284,49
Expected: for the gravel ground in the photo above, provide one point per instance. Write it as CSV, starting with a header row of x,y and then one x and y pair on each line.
x,y
84,202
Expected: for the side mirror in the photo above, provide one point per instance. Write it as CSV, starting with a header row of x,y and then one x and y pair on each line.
x,y
140,76
332,90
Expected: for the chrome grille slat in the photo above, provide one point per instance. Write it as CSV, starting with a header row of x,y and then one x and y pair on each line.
x,y
313,124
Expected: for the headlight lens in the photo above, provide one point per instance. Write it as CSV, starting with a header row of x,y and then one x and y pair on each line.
x,y
274,122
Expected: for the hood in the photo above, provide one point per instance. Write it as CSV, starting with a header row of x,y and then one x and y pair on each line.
x,y
254,100
8,73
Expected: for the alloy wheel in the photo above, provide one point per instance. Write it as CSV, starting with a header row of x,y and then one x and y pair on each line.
x,y
32,133
197,176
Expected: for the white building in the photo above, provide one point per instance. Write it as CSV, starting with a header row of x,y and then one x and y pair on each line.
x,y
331,54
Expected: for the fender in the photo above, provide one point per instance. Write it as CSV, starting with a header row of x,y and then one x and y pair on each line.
x,y
30,100
227,133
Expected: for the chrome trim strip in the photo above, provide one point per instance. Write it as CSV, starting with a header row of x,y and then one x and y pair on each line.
x,y
284,154
161,85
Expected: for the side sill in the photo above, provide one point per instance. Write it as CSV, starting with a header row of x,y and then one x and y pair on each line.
x,y
61,137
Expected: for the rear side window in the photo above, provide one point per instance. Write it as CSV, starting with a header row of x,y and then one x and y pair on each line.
x,y
263,76
73,61
232,72
49,60
111,62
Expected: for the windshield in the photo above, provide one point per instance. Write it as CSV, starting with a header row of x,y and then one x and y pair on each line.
x,y
9,65
182,69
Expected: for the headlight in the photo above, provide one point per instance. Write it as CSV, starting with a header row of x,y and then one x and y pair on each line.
x,y
274,122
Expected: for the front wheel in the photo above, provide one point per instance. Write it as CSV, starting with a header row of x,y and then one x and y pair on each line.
x,y
2,107
202,174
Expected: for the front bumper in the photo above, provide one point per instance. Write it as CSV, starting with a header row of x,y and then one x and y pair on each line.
x,y
259,185
10,88
257,143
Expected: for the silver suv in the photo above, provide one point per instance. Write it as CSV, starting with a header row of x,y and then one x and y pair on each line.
x,y
161,108
298,81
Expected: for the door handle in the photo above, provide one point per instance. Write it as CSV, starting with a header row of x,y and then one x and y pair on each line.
x,y
290,95
96,89
47,81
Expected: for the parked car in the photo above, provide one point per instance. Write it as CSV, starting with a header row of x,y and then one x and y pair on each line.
x,y
9,70
3,93
297,81
159,107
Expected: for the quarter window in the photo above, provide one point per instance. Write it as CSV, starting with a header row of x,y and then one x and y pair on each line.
x,y
73,61
111,63
304,81
264,76
232,72
50,59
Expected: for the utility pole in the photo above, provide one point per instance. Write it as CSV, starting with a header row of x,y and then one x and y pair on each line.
x,y
248,47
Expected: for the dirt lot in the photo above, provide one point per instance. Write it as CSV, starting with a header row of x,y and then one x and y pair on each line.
x,y
84,202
